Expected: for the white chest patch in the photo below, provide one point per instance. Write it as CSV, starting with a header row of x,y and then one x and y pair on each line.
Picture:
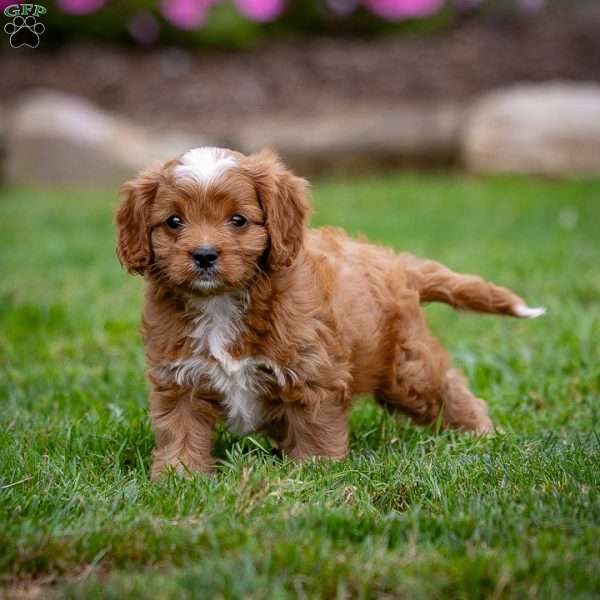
x,y
239,381
205,165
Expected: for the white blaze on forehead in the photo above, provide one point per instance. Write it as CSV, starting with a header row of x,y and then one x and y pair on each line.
x,y
204,165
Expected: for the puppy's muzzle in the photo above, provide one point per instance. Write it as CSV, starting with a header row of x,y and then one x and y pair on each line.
x,y
205,257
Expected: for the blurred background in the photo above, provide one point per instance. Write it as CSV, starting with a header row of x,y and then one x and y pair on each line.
x,y
94,89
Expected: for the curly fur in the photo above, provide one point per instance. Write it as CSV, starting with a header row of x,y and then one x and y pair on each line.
x,y
292,322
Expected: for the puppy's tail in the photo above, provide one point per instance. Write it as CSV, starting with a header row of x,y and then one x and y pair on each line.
x,y
436,283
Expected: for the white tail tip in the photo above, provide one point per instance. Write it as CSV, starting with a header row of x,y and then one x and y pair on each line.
x,y
528,313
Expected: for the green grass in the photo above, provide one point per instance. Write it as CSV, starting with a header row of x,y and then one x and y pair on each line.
x,y
410,514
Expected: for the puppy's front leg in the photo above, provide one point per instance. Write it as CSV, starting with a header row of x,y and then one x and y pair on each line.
x,y
321,432
183,426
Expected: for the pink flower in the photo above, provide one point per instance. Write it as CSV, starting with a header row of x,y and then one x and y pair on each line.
x,y
80,7
185,14
394,10
260,11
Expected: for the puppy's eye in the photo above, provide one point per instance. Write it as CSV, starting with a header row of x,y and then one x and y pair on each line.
x,y
238,220
174,222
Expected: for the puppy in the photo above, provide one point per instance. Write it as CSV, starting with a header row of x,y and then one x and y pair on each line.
x,y
253,319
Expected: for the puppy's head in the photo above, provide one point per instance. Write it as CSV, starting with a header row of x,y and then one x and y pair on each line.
x,y
207,221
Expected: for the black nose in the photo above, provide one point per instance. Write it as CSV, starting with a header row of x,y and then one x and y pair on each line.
x,y
205,256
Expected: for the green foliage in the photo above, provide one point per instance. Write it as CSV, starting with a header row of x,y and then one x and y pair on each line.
x,y
225,27
409,514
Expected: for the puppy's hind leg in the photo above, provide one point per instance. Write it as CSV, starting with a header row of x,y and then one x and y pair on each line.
x,y
422,383
427,398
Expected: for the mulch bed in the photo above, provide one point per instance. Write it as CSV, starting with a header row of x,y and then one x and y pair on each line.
x,y
203,89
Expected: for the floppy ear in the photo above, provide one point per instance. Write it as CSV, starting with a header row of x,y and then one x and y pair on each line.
x,y
134,249
284,199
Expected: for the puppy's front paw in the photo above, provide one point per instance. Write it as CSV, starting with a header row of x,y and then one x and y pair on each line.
x,y
484,428
479,422
183,466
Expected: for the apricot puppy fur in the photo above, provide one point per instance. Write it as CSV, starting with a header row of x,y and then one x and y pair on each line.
x,y
253,319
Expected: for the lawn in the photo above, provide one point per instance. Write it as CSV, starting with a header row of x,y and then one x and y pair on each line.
x,y
410,514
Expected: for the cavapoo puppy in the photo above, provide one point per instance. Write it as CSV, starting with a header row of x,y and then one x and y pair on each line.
x,y
253,319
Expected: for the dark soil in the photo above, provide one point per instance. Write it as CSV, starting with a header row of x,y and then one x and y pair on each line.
x,y
204,89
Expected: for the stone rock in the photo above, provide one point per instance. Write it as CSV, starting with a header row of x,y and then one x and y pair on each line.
x,y
543,129
57,138
366,137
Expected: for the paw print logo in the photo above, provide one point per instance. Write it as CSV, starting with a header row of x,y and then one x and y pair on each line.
x,y
24,31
